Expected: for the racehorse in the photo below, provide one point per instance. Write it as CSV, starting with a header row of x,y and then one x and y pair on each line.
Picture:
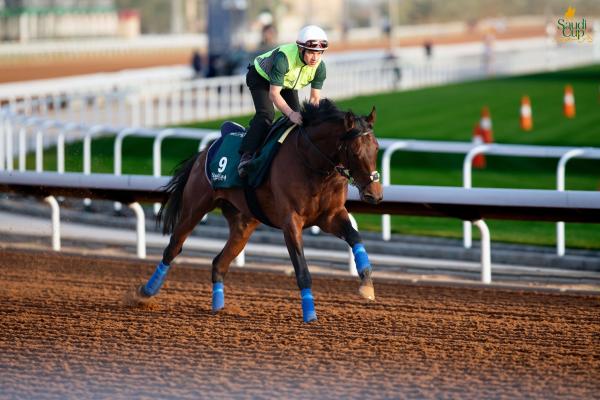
x,y
307,185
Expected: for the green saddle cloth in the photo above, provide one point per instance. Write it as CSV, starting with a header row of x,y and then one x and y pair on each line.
x,y
223,161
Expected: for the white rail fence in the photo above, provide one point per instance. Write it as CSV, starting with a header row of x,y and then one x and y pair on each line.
x,y
166,96
147,44
32,133
419,200
470,150
39,114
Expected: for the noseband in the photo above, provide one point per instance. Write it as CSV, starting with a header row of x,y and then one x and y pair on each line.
x,y
339,168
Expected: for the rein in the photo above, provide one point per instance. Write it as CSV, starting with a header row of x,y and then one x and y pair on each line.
x,y
339,168
314,146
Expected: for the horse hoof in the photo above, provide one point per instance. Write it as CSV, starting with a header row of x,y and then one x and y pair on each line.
x,y
137,297
218,304
309,317
366,289
367,292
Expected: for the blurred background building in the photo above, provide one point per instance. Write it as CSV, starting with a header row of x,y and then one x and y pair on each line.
x,y
224,35
41,19
24,20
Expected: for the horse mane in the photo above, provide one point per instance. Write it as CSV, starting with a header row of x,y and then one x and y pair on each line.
x,y
325,111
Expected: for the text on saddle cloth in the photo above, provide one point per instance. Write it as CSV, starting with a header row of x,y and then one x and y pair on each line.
x,y
223,158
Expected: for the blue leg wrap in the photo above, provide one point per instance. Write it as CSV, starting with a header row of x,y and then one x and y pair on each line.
x,y
360,257
218,297
308,306
157,279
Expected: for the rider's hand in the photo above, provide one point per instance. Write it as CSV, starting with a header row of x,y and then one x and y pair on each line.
x,y
295,117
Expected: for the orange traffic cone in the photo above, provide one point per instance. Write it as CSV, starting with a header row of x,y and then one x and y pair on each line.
x,y
485,126
569,102
526,117
479,159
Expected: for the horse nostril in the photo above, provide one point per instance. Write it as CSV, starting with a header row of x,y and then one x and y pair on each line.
x,y
371,199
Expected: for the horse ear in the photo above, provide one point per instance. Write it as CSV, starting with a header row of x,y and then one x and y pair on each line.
x,y
349,121
371,118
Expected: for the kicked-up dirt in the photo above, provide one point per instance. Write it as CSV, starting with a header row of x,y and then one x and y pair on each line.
x,y
67,333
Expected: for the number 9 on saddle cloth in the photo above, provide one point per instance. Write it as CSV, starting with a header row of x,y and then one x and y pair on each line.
x,y
223,156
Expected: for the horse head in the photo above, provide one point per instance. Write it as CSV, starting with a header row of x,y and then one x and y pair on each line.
x,y
358,156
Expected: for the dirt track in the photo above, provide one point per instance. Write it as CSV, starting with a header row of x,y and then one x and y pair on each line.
x,y
66,333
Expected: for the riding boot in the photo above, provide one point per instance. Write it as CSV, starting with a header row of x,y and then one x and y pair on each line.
x,y
244,161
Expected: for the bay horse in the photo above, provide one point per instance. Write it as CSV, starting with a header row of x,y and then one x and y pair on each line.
x,y
307,185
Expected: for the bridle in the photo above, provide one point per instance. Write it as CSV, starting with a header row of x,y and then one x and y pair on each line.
x,y
339,168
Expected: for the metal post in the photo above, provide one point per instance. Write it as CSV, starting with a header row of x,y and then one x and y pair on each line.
x,y
141,229
351,262
22,148
467,184
560,186
486,254
8,131
51,200
386,173
39,150
156,160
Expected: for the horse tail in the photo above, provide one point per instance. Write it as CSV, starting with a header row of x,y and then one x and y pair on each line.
x,y
170,209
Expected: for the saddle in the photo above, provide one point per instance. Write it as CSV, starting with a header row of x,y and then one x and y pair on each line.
x,y
223,156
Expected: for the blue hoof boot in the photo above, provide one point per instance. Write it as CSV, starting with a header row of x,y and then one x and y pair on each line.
x,y
218,297
309,316
308,306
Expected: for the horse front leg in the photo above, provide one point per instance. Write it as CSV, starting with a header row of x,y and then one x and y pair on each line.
x,y
339,225
240,229
292,232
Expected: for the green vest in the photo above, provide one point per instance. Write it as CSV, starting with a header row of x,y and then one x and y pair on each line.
x,y
298,75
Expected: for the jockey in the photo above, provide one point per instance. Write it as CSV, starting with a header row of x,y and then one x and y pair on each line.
x,y
275,77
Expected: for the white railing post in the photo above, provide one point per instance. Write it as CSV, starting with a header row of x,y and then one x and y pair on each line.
x,y
8,131
156,157
560,186
386,177
51,200
486,253
39,150
22,147
140,228
467,184
118,156
351,262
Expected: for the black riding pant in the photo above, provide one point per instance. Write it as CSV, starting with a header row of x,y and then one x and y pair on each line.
x,y
265,113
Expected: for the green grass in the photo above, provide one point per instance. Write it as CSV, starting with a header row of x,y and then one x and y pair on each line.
x,y
443,113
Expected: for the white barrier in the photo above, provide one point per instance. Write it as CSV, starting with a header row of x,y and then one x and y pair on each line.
x,y
158,98
470,150
417,200
167,96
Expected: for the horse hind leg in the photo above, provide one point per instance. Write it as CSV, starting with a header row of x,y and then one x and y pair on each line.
x,y
240,230
184,227
292,233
